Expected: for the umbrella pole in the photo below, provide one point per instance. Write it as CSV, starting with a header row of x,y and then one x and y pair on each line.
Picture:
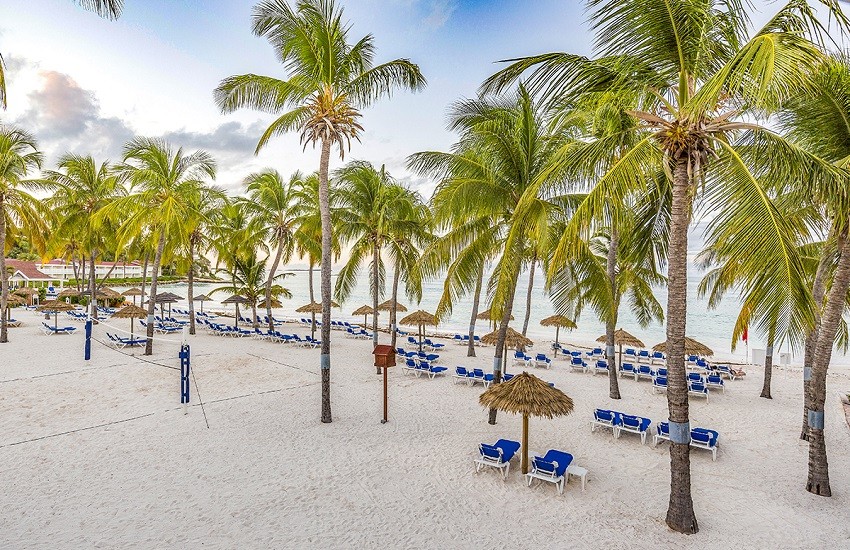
x,y
524,444
237,314
132,319
557,331
420,337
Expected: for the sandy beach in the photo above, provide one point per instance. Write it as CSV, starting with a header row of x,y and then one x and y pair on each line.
x,y
99,454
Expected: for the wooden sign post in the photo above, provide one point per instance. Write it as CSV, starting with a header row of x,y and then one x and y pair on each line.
x,y
384,359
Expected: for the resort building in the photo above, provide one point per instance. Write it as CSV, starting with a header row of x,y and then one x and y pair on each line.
x,y
23,273
61,270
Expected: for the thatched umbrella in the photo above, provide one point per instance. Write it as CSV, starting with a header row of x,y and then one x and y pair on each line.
x,y
165,298
28,292
527,395
313,308
420,318
558,321
55,306
275,303
364,311
236,299
133,292
131,312
489,316
513,340
623,338
202,298
68,293
388,306
692,347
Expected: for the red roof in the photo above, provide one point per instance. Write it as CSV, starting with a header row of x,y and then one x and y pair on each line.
x,y
27,269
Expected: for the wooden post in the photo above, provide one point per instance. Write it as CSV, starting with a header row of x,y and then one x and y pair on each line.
x,y
384,421
524,444
557,331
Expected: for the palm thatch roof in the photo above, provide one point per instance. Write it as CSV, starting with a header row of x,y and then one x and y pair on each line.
x,y
692,347
623,338
133,292
55,305
275,303
26,290
558,321
527,395
68,293
513,339
16,300
314,307
488,316
420,317
201,298
165,297
363,310
110,293
236,299
388,305
130,312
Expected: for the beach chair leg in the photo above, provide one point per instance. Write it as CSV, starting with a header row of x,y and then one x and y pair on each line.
x,y
505,471
714,454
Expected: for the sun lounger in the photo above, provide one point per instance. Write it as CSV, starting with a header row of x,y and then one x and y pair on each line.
x,y
698,389
662,433
694,377
551,468
600,367
605,419
497,456
577,363
47,329
541,360
627,368
661,372
659,384
633,424
644,371
643,356
702,438
715,381
462,374
657,358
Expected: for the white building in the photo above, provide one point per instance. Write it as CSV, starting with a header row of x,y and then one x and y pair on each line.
x,y
62,270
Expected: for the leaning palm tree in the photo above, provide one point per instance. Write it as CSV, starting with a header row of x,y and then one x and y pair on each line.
x,y
164,185
273,203
248,279
701,75
83,189
506,145
21,214
330,80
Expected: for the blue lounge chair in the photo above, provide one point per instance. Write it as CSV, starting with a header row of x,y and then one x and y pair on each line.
x,y
698,389
601,366
643,356
577,363
702,438
497,455
541,360
462,374
662,433
627,368
595,352
551,468
605,419
409,366
658,358
694,377
644,371
633,424
661,372
659,384
715,381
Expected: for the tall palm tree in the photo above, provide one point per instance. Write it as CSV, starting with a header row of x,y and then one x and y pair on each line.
x,y
20,212
701,75
110,9
506,146
83,189
372,208
330,80
205,206
164,185
273,202
248,279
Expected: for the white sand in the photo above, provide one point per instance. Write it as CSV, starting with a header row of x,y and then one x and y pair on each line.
x,y
268,474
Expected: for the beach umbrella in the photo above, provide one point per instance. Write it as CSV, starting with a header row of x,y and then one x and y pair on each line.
x,y
513,340
364,311
133,292
692,347
28,292
388,306
166,298
275,303
527,395
131,312
313,308
623,338
14,300
558,321
489,316
55,306
420,318
236,299
202,298
68,293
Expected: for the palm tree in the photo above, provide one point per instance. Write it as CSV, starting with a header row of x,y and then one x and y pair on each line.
x,y
701,76
20,212
273,203
205,205
248,279
372,208
330,80
110,9
164,186
83,189
506,146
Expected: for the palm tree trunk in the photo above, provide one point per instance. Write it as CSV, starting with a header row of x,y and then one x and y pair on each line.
x,y
818,292
312,300
4,277
191,281
768,363
499,357
92,287
269,282
375,255
82,274
528,296
76,271
144,276
157,260
680,511
256,320
394,309
470,351
611,322
818,482
327,240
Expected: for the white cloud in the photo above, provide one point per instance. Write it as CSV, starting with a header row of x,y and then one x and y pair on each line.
x,y
440,12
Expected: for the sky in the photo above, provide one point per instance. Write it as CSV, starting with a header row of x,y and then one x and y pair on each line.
x,y
87,85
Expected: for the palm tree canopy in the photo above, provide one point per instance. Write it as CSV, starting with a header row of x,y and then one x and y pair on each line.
x,y
527,395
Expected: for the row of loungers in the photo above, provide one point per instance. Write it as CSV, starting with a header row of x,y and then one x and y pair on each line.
x,y
163,328
121,342
419,368
358,333
47,329
701,438
463,339
539,360
553,467
427,343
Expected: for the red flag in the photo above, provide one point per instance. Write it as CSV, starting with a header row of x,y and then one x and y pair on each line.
x,y
745,335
